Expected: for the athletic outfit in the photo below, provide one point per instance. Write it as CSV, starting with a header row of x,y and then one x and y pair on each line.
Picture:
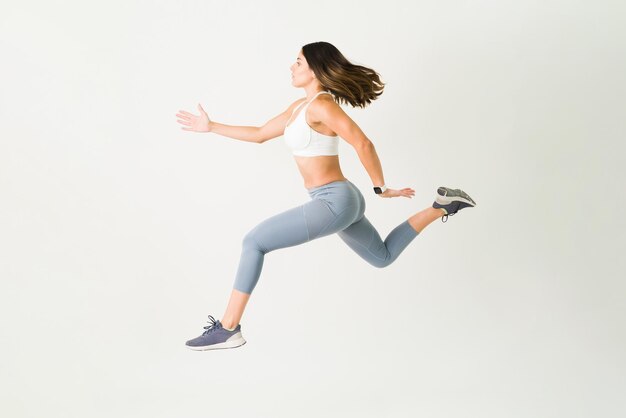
x,y
337,207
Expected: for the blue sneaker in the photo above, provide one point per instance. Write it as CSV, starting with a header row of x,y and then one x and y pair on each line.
x,y
216,337
452,201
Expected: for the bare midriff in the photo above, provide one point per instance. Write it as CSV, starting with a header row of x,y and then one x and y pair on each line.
x,y
317,171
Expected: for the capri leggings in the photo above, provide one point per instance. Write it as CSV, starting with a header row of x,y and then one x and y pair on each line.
x,y
336,207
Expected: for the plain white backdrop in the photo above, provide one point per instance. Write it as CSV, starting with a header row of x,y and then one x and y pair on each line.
x,y
120,232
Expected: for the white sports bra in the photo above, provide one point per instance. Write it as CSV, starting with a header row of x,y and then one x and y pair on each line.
x,y
304,141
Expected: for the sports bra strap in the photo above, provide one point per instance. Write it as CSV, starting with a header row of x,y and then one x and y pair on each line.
x,y
318,93
314,97
306,104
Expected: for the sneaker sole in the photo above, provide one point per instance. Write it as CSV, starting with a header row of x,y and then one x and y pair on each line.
x,y
234,342
445,196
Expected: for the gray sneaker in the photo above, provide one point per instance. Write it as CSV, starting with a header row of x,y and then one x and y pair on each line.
x,y
452,201
216,337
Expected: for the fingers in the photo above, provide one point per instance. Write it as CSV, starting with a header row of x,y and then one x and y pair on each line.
x,y
406,192
185,120
201,109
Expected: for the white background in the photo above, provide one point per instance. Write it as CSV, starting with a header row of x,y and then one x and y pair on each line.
x,y
120,233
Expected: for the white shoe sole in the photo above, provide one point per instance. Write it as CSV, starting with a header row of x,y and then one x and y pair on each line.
x,y
234,341
446,200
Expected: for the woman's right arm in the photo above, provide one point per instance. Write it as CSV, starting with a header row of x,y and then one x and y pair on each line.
x,y
271,129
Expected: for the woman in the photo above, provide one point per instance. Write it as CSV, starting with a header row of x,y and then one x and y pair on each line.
x,y
311,127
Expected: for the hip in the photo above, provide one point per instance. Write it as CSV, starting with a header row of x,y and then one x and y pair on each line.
x,y
341,196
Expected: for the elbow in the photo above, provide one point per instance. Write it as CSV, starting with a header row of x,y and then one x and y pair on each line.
x,y
263,135
364,146
259,137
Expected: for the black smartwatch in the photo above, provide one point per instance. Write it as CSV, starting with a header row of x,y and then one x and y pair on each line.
x,y
380,190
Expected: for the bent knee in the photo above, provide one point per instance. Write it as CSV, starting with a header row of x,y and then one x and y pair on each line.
x,y
250,242
381,262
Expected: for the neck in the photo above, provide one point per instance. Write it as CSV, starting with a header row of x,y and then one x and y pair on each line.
x,y
312,91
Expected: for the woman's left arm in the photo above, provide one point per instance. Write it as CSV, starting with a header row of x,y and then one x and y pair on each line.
x,y
332,115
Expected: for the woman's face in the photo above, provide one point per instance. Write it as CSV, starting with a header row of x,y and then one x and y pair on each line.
x,y
301,74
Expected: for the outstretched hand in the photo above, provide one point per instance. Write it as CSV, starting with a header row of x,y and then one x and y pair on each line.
x,y
194,123
406,192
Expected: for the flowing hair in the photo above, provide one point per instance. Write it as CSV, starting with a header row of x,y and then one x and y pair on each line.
x,y
349,83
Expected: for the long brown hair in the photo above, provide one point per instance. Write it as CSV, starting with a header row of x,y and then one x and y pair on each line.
x,y
349,83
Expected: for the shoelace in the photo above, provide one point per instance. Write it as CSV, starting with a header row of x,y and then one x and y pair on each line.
x,y
212,326
444,218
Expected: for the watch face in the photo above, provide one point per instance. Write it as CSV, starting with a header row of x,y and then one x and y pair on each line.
x,y
378,190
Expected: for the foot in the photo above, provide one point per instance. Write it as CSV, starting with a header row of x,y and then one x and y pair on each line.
x,y
216,336
451,201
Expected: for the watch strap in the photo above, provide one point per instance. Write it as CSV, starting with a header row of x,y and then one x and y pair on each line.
x,y
380,189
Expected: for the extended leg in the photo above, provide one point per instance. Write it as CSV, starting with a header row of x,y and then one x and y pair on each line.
x,y
293,227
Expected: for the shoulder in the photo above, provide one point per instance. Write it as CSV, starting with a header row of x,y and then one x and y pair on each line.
x,y
324,106
323,101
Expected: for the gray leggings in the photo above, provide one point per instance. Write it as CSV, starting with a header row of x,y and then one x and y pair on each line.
x,y
336,207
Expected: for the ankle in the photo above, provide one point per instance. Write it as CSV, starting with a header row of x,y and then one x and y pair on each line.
x,y
230,325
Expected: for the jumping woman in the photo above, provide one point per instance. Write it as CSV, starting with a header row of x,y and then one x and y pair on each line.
x,y
311,127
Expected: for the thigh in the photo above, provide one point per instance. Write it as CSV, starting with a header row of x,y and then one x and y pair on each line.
x,y
361,235
294,226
